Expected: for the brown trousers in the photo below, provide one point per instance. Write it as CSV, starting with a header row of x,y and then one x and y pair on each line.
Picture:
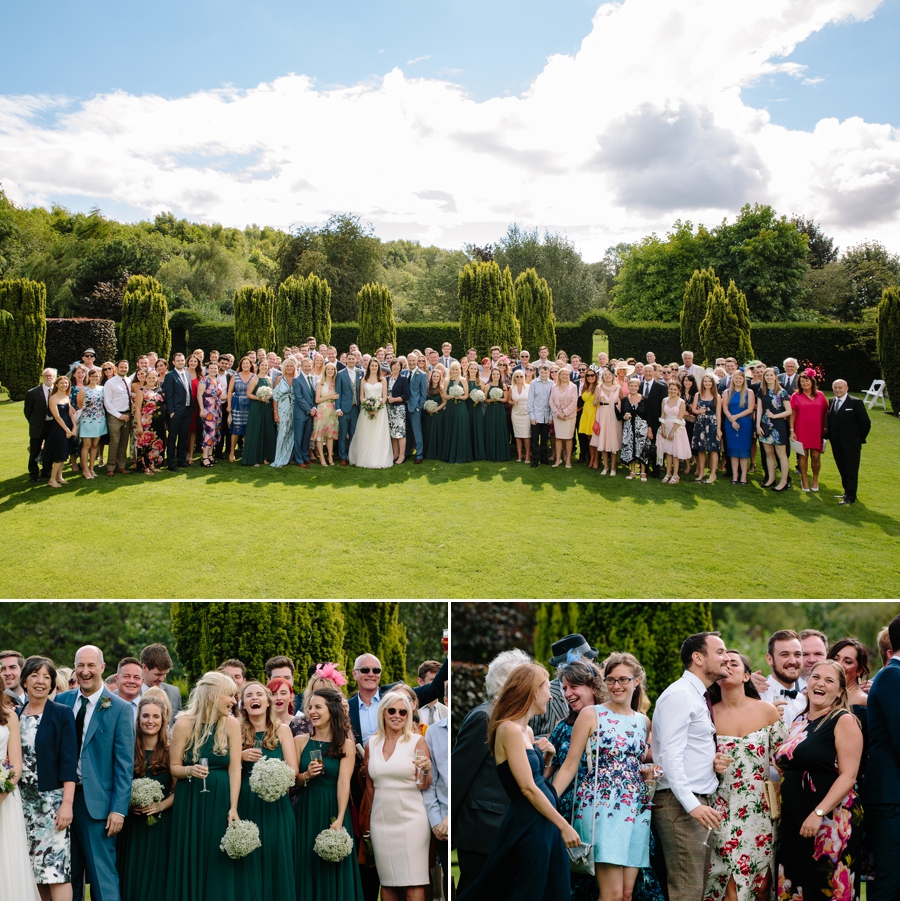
x,y
119,433
681,836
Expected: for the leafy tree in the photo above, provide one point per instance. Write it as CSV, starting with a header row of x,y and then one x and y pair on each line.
x,y
487,305
423,280
719,329
830,291
254,319
23,335
696,296
607,269
553,620
872,268
145,319
821,248
481,631
888,343
374,627
534,301
377,326
109,263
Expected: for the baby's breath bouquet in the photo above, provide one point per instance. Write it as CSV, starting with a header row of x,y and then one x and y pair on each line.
x,y
240,838
495,393
430,406
271,778
145,792
6,783
476,395
264,394
333,845
456,392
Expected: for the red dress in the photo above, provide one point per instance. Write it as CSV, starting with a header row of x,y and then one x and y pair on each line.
x,y
810,419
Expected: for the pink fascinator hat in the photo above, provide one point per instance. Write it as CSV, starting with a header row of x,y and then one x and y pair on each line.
x,y
332,673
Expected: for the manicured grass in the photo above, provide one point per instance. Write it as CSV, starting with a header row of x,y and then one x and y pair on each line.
x,y
442,531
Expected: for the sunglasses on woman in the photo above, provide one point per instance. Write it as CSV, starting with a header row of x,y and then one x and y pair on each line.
x,y
394,711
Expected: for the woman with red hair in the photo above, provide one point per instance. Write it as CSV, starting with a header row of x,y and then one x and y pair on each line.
x,y
282,700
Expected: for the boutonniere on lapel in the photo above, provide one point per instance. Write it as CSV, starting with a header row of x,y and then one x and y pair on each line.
x,y
105,702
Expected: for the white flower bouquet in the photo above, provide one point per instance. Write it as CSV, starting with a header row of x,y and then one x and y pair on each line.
x,y
240,839
371,406
264,394
145,792
476,395
456,392
271,778
333,845
430,406
495,394
6,783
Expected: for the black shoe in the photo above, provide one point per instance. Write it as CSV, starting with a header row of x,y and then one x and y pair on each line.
x,y
845,501
173,469
797,470
33,479
535,465
783,489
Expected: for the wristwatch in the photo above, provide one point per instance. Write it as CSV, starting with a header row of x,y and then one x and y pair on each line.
x,y
820,812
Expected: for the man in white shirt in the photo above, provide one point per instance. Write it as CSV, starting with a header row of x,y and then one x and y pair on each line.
x,y
684,745
433,711
446,359
688,365
784,687
130,682
117,400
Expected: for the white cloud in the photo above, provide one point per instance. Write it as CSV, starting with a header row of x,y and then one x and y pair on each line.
x,y
418,59
811,81
645,124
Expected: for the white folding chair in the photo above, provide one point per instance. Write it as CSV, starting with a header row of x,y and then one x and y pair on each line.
x,y
874,397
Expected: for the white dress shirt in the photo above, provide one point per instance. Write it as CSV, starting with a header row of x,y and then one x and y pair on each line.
x,y
684,741
776,690
117,396
88,713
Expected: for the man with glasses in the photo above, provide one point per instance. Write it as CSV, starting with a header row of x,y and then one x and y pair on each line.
x,y
37,412
524,359
87,360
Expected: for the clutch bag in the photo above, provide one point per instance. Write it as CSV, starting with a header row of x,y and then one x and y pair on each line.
x,y
773,798
581,859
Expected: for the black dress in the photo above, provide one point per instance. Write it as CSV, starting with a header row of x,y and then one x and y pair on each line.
x,y
528,860
57,446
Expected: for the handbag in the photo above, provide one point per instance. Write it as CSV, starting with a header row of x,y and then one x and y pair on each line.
x,y
773,798
797,447
581,859
596,427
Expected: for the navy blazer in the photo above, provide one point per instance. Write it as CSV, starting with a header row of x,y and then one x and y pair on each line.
x,y
55,747
173,391
882,782
400,389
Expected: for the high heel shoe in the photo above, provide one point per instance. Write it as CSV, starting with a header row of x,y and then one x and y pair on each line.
x,y
782,488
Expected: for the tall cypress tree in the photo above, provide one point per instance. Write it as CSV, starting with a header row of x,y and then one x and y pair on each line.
x,y
534,300
693,309
377,325
887,341
145,319
506,331
23,335
293,313
320,301
553,620
375,628
738,302
719,330
487,304
254,319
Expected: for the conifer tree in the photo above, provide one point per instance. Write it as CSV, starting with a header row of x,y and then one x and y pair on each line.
x,y
254,319
887,341
534,301
375,628
738,302
23,335
487,304
293,313
377,326
693,309
553,620
145,319
719,330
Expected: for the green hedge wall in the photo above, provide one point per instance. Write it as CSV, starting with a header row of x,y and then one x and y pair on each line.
x,y
180,322
68,338
213,336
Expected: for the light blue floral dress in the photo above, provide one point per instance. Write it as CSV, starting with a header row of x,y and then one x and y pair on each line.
x,y
92,422
283,397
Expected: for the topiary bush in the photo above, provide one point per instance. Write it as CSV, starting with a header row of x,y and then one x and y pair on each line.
x,y
180,323
68,338
254,319
23,334
888,342
145,319
377,326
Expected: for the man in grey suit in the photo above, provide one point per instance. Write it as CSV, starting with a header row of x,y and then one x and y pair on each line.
x,y
418,388
104,732
155,664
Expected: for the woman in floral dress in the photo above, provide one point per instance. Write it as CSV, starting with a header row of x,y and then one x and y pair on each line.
x,y
707,437
209,400
325,427
149,414
92,422
772,415
821,817
750,731
636,433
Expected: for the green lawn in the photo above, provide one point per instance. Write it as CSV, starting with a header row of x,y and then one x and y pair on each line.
x,y
442,531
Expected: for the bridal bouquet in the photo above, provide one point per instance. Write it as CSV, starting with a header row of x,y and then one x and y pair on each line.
x,y
495,394
264,394
430,406
333,845
145,792
476,395
240,839
271,778
456,392
6,783
371,406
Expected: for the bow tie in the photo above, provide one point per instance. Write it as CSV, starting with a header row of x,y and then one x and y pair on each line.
x,y
789,692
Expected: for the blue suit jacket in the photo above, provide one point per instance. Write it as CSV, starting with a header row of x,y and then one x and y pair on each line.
x,y
882,782
418,389
55,747
173,391
345,390
304,396
107,755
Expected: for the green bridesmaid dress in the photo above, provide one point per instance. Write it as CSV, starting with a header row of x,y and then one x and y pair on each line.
x,y
317,879
268,872
458,443
142,851
198,869
476,423
496,433
436,431
261,435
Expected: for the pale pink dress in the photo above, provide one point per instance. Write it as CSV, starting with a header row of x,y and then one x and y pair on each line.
x,y
610,435
564,403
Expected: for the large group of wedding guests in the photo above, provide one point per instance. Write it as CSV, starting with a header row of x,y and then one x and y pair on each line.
x,y
742,788
372,766
311,405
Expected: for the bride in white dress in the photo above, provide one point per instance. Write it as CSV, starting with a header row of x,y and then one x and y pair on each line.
x,y
371,444
16,875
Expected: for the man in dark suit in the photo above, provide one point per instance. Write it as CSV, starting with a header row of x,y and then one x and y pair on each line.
x,y
304,412
881,789
37,412
654,394
347,405
847,428
177,392
418,388
788,378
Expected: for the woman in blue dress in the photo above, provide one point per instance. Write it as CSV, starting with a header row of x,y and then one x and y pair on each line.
x,y
772,415
283,406
707,437
611,801
738,407
528,860
92,422
239,403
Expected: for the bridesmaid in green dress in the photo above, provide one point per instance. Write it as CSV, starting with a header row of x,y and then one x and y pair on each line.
x,y
458,442
260,436
325,800
496,433
434,427
476,413
142,851
270,872
198,869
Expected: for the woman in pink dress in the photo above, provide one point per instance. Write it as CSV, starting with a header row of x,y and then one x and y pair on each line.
x,y
609,439
563,406
672,439
809,415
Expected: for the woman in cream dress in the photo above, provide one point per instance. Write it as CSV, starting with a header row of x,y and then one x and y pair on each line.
x,y
521,422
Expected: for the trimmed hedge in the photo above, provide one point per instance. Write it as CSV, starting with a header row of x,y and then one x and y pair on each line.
x,y
214,336
180,323
23,335
68,338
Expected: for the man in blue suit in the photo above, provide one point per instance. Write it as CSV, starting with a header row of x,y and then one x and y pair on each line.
x,y
177,392
347,405
304,412
104,733
418,388
881,788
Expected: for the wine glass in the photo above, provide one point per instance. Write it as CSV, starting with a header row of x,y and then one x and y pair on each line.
x,y
651,773
315,756
419,760
204,762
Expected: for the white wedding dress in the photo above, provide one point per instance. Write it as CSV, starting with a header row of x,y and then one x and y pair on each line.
x,y
16,875
371,444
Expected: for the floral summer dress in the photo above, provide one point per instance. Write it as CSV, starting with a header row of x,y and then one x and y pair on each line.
x,y
705,437
211,412
744,850
149,443
774,431
325,425
92,422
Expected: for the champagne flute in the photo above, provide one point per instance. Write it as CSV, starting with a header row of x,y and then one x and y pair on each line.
x,y
315,756
419,760
445,640
651,773
204,762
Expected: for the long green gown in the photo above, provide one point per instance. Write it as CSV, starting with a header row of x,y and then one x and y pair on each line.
x,y
268,872
476,423
436,430
496,434
142,851
198,869
458,443
318,880
262,433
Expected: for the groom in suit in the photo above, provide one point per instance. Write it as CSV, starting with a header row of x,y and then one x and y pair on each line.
x,y
177,392
418,388
881,790
304,412
37,412
347,405
104,734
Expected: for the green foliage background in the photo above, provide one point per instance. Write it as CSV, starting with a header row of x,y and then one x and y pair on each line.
x,y
23,335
